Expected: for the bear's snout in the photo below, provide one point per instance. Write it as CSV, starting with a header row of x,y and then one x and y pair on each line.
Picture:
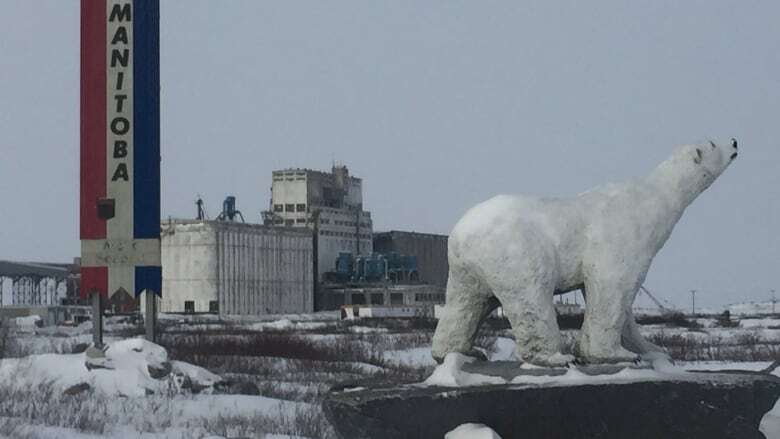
x,y
734,145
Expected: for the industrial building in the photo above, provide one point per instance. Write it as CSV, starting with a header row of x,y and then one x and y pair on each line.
x,y
234,268
430,250
36,284
330,204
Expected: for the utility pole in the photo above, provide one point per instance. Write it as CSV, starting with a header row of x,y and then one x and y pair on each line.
x,y
693,303
315,218
774,300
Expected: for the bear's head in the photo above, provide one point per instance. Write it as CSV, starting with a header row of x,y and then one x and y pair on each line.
x,y
697,166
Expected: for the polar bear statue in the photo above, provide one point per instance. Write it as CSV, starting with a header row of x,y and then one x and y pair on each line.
x,y
520,251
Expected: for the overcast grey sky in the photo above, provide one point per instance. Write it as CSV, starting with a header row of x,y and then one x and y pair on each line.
x,y
436,105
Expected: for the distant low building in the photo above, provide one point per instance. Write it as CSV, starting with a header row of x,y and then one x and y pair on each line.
x,y
235,268
36,283
353,312
420,295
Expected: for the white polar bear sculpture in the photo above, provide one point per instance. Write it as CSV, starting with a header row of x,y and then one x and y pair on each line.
x,y
522,250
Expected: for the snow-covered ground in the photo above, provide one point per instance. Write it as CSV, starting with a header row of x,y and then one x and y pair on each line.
x,y
472,431
266,376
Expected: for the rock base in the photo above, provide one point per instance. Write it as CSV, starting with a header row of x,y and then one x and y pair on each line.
x,y
690,406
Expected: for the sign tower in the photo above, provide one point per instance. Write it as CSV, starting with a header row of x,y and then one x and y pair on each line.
x,y
120,153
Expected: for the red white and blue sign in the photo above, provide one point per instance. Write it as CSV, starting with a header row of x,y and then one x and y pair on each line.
x,y
120,147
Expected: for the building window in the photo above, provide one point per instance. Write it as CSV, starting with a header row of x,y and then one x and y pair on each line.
x,y
189,306
300,208
288,222
213,306
396,298
377,299
278,208
358,299
300,220
289,207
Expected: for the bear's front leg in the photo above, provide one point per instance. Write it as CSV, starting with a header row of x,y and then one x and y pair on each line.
x,y
607,310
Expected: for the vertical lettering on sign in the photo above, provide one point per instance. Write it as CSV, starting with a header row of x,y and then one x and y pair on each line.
x,y
119,148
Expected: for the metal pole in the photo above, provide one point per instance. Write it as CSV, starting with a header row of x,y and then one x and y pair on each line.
x,y
773,301
97,320
315,215
150,319
693,303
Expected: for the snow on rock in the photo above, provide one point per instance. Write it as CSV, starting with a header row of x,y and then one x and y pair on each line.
x,y
126,370
214,406
450,374
472,431
770,423
574,377
199,377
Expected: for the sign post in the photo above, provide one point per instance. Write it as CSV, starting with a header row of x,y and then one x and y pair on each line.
x,y
120,151
97,320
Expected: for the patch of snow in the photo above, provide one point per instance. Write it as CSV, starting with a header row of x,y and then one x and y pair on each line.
x,y
367,330
759,323
450,374
714,366
85,328
354,389
415,357
503,350
574,377
472,431
287,325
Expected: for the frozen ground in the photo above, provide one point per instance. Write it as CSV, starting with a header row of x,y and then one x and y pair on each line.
x,y
266,377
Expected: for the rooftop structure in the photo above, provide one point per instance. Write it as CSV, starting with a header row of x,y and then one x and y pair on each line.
x,y
330,204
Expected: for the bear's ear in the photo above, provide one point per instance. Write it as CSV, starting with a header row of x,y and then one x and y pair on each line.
x,y
697,159
713,144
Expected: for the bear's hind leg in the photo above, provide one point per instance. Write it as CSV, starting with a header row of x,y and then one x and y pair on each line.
x,y
634,341
468,303
531,313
